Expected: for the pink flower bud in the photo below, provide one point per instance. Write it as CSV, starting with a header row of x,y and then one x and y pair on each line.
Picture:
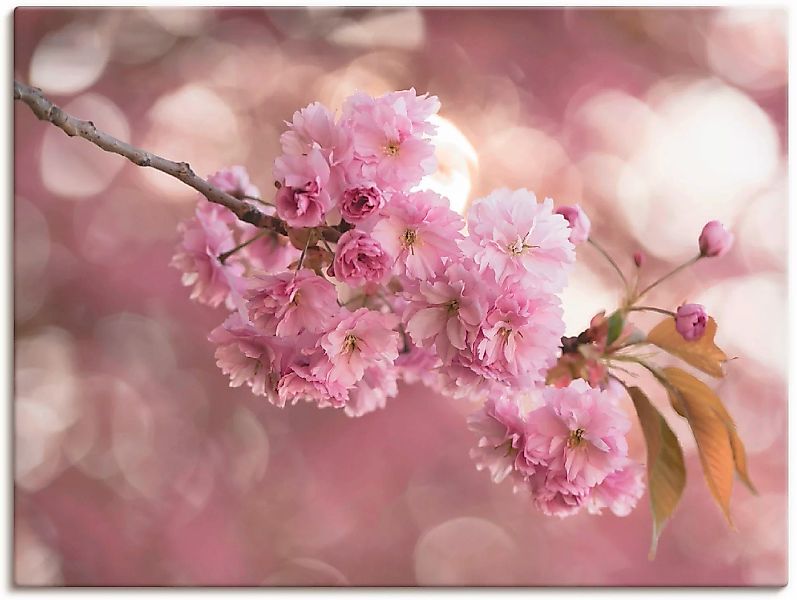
x,y
578,221
360,203
639,259
359,258
715,240
690,321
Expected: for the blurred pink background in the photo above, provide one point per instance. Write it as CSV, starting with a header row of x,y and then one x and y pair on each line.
x,y
137,465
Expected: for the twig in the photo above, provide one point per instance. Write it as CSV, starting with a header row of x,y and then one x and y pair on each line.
x,y
677,269
608,257
304,252
225,255
72,126
651,309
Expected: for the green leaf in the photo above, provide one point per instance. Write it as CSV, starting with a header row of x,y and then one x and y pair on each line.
x,y
616,322
702,354
694,400
665,464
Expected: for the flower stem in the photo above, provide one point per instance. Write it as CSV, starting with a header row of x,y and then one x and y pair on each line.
x,y
225,255
651,309
304,252
606,255
676,270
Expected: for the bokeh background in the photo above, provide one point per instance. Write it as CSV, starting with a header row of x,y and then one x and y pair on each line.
x,y
135,464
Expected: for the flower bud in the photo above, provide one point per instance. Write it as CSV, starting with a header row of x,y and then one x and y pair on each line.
x,y
578,221
715,240
359,203
359,258
690,321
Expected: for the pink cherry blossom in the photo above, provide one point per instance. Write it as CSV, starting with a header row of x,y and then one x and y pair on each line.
x,y
204,237
715,240
235,181
305,379
578,221
578,432
250,357
359,258
619,491
521,335
467,378
500,428
372,391
691,321
314,127
520,239
393,151
418,365
360,340
446,311
419,109
420,232
555,496
303,198
291,302
361,203
269,253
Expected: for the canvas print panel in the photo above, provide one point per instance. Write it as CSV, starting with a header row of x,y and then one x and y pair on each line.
x,y
400,297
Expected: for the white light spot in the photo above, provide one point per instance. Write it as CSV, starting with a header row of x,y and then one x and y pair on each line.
x,y
76,168
714,149
69,60
465,551
751,313
457,164
396,29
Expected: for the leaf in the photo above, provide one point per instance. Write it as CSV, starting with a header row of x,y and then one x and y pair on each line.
x,y
702,354
301,237
694,400
666,471
616,322
708,395
740,460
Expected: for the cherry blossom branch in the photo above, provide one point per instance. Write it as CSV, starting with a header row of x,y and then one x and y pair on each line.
x,y
45,110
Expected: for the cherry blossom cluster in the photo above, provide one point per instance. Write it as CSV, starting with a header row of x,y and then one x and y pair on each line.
x,y
353,276
404,292
376,279
567,453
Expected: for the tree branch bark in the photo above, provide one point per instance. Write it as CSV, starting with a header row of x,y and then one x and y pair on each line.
x,y
45,110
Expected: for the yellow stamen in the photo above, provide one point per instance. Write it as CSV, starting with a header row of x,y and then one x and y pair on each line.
x,y
515,248
575,438
408,238
350,343
392,148
519,247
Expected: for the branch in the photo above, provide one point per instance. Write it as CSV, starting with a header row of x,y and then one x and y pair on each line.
x,y
72,126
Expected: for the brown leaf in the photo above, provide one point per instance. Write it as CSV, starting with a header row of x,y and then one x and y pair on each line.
x,y
302,237
737,446
665,465
698,404
702,354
